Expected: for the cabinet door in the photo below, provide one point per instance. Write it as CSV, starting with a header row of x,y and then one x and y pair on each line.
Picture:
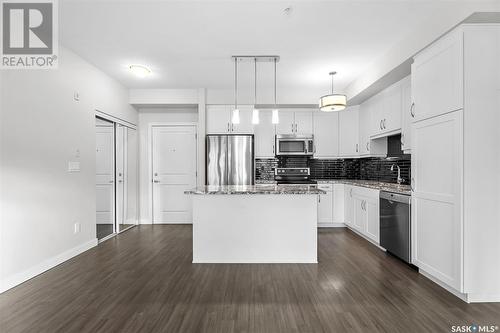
x,y
286,123
391,113
326,134
218,119
406,115
325,204
264,135
376,104
245,126
338,203
372,219
348,205
348,132
359,213
304,122
437,225
437,77
364,129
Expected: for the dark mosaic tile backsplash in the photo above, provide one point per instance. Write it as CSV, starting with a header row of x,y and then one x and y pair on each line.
x,y
378,169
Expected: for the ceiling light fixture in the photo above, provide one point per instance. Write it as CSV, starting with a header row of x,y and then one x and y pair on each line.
x,y
332,102
236,112
275,118
139,70
255,113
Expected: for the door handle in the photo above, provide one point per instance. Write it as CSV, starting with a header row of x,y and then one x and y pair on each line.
x,y
412,110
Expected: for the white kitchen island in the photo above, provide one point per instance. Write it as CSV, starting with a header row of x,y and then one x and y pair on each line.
x,y
255,224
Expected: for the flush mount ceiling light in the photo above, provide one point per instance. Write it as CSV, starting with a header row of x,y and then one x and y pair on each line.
x,y
139,70
332,102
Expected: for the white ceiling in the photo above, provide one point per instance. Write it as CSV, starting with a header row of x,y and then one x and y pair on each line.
x,y
188,44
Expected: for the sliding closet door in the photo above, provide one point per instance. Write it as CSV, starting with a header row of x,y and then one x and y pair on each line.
x,y
127,177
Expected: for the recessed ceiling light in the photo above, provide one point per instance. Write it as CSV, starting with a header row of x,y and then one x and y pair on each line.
x,y
139,70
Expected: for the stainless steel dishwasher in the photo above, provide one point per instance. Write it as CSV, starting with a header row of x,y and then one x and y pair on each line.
x,y
395,224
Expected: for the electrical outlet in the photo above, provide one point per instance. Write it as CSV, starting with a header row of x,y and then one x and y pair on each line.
x,y
78,228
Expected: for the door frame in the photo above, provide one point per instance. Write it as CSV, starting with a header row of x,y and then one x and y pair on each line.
x,y
151,126
118,121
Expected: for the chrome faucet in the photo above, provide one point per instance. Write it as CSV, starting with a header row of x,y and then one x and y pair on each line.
x,y
400,180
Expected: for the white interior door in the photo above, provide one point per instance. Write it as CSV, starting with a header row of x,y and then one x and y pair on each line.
x,y
174,171
120,150
105,176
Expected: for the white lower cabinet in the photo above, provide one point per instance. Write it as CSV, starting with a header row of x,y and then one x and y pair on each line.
x,y
348,206
325,204
366,215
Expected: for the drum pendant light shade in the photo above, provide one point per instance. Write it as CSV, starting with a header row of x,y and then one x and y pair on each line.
x,y
332,102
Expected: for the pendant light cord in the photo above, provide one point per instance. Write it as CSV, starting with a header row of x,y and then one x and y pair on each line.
x,y
255,81
332,82
235,82
275,81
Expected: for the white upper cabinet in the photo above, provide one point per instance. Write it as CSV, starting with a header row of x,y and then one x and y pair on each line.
x,y
406,115
367,146
437,77
326,134
218,119
391,121
295,122
286,123
264,135
386,111
348,132
304,122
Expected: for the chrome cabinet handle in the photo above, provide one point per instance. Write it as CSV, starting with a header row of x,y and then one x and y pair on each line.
x,y
273,149
368,146
111,181
228,127
357,147
402,139
412,110
120,181
319,198
350,192
156,181
381,124
384,123
411,184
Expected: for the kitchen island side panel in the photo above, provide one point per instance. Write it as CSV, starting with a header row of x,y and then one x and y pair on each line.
x,y
272,228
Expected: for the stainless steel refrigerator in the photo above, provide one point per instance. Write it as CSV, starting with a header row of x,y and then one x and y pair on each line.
x,y
230,160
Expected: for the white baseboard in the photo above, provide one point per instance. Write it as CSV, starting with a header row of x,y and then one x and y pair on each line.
x,y
443,285
17,279
169,223
331,225
254,261
483,298
145,221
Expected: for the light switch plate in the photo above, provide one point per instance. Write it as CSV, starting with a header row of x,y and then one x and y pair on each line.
x,y
73,166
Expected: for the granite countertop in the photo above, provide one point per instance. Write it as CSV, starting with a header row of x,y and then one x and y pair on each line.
x,y
382,186
257,189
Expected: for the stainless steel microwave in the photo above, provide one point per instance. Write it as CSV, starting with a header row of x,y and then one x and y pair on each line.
x,y
290,144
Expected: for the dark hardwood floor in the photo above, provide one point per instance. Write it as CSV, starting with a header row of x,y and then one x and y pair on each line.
x,y
143,281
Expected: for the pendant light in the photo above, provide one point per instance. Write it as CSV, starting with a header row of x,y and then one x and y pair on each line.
x,y
275,119
332,102
236,112
255,112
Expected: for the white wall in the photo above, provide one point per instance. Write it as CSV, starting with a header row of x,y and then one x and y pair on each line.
x,y
148,116
43,128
